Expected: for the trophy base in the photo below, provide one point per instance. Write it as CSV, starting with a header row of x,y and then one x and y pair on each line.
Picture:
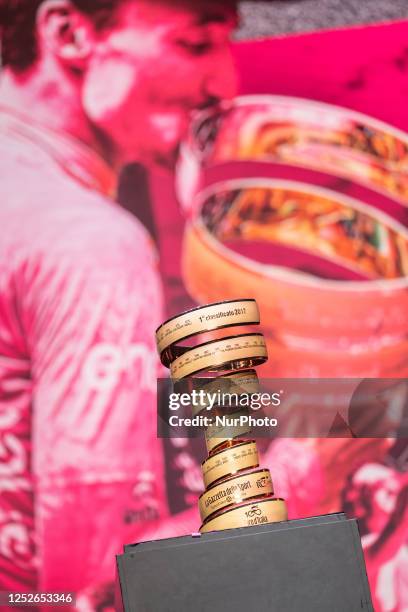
x,y
307,565
257,511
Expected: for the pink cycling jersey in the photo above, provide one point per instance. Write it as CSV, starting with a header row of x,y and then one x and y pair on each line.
x,y
81,469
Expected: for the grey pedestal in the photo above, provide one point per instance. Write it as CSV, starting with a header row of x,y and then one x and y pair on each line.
x,y
308,565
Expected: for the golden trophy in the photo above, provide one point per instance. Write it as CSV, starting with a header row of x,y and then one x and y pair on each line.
x,y
238,492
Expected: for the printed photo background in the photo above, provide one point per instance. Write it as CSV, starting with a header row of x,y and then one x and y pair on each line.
x,y
364,69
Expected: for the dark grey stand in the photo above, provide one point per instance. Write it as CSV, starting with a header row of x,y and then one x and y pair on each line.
x,y
308,565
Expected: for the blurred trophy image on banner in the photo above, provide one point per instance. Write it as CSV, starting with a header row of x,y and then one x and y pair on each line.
x,y
302,205
238,492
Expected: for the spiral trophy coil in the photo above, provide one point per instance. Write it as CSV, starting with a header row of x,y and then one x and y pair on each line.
x,y
238,492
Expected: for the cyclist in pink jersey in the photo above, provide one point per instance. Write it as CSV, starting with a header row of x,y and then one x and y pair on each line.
x,y
87,87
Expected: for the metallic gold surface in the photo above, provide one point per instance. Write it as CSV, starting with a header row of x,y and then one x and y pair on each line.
x,y
230,461
232,353
218,435
237,383
203,319
251,513
235,490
